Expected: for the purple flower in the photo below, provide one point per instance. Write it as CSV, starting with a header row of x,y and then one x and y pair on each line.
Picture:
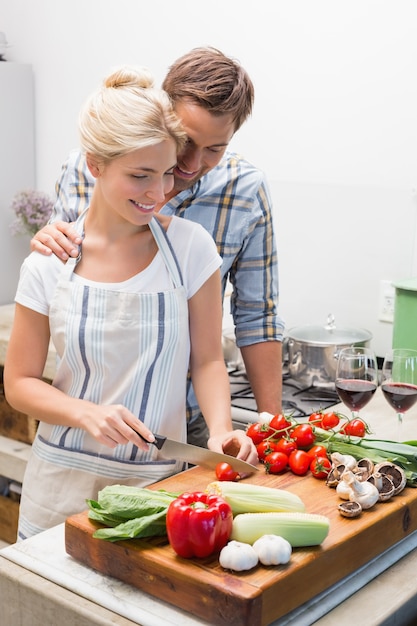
x,y
32,209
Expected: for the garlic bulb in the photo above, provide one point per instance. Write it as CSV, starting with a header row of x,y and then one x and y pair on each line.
x,y
273,550
238,556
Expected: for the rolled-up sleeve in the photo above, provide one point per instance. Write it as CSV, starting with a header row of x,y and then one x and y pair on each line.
x,y
254,277
73,189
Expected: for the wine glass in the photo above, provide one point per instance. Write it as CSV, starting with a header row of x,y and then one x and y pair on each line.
x,y
399,381
356,377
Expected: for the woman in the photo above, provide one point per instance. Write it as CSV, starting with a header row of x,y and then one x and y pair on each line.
x,y
138,307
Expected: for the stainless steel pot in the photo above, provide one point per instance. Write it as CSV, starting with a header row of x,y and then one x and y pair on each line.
x,y
232,354
312,351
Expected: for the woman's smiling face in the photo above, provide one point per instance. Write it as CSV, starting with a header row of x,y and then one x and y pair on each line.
x,y
135,185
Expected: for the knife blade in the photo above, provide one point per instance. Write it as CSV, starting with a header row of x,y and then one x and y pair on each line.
x,y
171,449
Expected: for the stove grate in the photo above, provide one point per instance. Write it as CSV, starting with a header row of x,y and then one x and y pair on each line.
x,y
298,399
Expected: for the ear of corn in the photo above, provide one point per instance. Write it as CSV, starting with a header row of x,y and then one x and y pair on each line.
x,y
299,529
247,498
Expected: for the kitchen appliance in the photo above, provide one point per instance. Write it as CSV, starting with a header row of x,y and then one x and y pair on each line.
x,y
309,370
313,350
405,314
232,354
298,399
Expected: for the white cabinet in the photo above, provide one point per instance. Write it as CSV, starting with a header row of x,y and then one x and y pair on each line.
x,y
17,165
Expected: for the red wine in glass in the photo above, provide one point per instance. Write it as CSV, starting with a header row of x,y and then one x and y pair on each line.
x,y
401,396
355,393
356,377
399,381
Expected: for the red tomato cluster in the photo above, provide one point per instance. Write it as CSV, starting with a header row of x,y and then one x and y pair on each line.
x,y
328,420
354,428
283,444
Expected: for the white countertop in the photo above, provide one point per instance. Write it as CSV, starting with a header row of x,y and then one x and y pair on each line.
x,y
44,555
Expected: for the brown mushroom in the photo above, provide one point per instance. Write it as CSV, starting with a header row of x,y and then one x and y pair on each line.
x,y
334,476
347,460
350,509
384,484
364,469
395,473
362,491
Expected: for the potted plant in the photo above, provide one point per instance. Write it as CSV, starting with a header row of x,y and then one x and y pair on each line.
x,y
32,209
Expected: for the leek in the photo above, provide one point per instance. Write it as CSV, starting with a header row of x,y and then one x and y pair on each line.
x,y
378,450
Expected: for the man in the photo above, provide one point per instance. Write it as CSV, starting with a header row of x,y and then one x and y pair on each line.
x,y
213,96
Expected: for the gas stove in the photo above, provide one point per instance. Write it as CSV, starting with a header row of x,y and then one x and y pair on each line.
x,y
298,399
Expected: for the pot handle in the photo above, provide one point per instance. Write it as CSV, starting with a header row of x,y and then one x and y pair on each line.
x,y
338,350
285,349
331,323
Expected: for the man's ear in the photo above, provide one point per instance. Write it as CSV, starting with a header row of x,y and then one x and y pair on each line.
x,y
93,164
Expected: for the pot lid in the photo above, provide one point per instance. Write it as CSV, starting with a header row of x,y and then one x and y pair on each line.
x,y
330,334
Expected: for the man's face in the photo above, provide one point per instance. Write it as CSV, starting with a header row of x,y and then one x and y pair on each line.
x,y
208,137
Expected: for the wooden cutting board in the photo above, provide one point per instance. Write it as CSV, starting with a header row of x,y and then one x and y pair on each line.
x,y
262,595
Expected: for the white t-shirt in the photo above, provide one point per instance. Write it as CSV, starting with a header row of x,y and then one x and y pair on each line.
x,y
194,248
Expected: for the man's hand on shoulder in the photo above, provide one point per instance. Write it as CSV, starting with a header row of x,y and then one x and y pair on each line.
x,y
59,238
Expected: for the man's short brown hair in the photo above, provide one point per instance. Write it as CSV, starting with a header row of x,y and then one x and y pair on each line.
x,y
212,80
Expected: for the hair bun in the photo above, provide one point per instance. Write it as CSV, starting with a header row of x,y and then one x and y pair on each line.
x,y
128,76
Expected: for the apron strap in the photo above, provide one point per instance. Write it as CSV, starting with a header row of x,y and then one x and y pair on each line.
x,y
162,241
167,251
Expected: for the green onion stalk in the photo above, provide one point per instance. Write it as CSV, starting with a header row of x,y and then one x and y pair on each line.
x,y
377,450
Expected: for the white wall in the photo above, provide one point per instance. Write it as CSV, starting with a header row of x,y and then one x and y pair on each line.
x,y
334,125
17,166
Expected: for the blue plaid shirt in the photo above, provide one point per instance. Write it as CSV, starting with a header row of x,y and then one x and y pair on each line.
x,y
233,203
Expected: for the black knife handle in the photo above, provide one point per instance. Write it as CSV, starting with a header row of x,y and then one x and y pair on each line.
x,y
159,440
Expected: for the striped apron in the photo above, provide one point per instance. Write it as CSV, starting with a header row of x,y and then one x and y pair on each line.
x,y
113,347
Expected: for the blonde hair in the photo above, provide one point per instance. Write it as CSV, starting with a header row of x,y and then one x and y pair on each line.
x,y
127,113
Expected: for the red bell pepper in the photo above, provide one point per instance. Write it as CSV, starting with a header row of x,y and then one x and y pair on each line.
x,y
198,524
